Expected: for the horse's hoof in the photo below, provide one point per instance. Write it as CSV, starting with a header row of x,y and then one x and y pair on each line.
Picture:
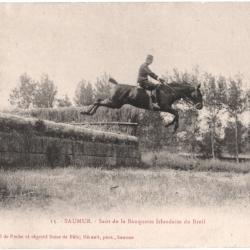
x,y
83,113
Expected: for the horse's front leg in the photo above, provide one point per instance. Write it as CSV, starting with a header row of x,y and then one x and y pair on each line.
x,y
175,121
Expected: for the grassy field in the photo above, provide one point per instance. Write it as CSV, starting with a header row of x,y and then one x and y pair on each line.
x,y
30,198
121,189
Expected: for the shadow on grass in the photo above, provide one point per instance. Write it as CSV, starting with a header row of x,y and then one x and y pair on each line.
x,y
18,194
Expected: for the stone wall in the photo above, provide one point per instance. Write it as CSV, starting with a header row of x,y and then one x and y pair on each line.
x,y
34,142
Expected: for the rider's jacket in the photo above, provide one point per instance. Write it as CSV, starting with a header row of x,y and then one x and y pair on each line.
x,y
144,72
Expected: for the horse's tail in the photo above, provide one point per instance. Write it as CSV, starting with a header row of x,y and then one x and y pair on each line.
x,y
112,80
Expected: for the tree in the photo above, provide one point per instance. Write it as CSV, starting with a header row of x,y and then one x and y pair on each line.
x,y
84,94
248,100
64,102
205,145
229,138
236,104
214,99
178,76
45,94
102,87
189,129
247,139
23,95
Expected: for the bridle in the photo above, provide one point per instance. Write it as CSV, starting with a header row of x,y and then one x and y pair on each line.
x,y
186,99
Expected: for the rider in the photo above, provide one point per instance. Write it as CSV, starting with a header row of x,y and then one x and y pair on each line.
x,y
145,83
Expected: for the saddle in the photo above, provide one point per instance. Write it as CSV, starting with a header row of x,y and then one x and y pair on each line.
x,y
151,93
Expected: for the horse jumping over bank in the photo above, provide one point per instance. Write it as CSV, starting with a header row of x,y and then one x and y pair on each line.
x,y
166,95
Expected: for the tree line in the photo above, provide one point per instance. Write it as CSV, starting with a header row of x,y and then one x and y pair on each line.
x,y
30,93
224,99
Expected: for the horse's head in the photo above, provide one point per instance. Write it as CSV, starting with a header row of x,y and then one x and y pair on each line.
x,y
186,91
196,97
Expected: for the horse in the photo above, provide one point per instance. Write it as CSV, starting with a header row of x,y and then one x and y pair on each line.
x,y
166,95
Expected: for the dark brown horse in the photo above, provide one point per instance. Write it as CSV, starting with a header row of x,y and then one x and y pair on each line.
x,y
166,95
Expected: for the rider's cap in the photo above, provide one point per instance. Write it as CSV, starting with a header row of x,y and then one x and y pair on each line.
x,y
149,57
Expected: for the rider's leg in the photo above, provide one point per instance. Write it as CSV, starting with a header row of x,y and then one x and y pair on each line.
x,y
154,105
147,85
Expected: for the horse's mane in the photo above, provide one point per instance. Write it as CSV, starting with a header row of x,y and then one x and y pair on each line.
x,y
180,85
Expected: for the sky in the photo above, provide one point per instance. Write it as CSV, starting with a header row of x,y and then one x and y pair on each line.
x,y
70,42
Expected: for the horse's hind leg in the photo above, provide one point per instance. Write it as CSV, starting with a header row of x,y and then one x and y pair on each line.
x,y
88,112
95,107
103,103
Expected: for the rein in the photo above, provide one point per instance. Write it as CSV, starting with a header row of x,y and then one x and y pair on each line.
x,y
184,98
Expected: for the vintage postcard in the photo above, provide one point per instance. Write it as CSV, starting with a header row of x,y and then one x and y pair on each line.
x,y
124,125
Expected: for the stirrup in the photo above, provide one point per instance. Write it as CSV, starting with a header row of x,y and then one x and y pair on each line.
x,y
155,105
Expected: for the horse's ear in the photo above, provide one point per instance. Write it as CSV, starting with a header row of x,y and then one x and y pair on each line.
x,y
199,85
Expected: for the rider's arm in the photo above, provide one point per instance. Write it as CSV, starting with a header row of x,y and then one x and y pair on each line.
x,y
151,73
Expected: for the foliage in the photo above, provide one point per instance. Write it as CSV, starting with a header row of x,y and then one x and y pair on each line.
x,y
178,76
84,94
64,102
214,99
210,145
23,95
235,105
229,138
30,93
236,99
102,87
45,93
248,99
189,130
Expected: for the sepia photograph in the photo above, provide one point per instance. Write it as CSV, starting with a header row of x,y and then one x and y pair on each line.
x,y
124,125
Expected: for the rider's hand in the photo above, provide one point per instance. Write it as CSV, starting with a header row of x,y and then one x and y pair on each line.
x,y
161,80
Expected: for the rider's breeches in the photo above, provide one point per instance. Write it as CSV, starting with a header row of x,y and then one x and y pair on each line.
x,y
146,84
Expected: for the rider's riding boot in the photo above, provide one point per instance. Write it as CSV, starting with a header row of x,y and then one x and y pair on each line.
x,y
155,105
